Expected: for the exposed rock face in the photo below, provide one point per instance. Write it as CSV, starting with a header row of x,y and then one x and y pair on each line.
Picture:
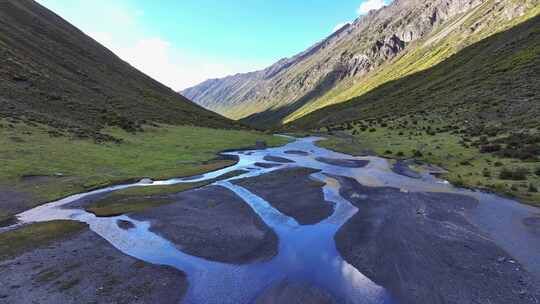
x,y
344,57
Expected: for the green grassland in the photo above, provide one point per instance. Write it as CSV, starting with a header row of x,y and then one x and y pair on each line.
x,y
42,166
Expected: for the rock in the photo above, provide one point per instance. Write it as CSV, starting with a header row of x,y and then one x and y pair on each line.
x,y
126,225
260,144
146,181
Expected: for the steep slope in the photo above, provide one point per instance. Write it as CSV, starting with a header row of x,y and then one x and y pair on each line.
x,y
52,73
476,114
395,41
493,82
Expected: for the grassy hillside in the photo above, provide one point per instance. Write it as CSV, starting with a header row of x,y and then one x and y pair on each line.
x,y
52,73
493,82
463,30
476,113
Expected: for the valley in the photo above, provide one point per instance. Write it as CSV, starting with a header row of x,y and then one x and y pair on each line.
x,y
277,266
395,161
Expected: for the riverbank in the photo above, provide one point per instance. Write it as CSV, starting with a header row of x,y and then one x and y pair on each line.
x,y
81,266
465,165
428,248
39,166
413,240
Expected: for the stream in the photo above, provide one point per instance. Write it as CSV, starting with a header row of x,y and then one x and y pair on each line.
x,y
307,253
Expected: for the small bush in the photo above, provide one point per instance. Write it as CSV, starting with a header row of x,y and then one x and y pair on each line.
x,y
532,188
400,154
537,171
514,174
490,148
417,153
459,183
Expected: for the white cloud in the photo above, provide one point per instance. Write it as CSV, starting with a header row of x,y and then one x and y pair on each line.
x,y
120,30
158,58
339,26
369,5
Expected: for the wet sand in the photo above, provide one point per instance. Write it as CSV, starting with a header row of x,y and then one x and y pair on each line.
x,y
297,152
86,269
348,163
277,159
215,224
423,249
267,165
293,193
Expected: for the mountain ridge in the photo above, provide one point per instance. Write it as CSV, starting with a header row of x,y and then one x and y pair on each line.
x,y
350,56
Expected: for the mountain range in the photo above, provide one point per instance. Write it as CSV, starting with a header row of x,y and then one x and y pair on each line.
x,y
401,39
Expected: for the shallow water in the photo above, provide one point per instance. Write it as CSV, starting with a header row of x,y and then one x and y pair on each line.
x,y
307,253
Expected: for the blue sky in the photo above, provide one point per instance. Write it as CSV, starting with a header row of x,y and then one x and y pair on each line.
x,y
183,42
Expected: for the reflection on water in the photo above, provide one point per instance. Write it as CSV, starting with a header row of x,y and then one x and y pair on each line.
x,y
306,253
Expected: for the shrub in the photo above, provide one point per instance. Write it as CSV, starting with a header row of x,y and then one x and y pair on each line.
x,y
400,154
417,153
514,174
459,183
537,171
466,163
490,148
532,188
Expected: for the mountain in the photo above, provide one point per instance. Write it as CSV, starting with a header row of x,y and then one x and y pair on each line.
x,y
52,73
492,84
403,38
